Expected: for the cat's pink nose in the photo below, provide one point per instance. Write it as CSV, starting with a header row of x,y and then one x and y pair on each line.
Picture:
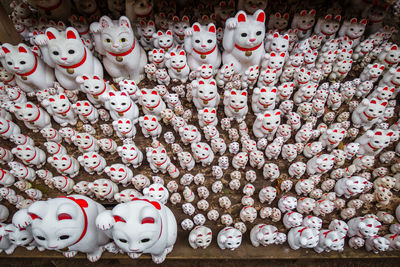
x,y
203,45
16,68
252,39
64,58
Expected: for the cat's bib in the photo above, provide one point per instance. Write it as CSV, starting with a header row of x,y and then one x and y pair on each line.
x,y
71,69
120,57
248,51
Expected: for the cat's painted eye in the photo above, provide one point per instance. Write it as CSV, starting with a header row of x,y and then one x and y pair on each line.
x,y
40,237
122,40
244,34
123,240
107,40
71,51
258,33
22,62
145,240
9,63
64,237
55,53
197,41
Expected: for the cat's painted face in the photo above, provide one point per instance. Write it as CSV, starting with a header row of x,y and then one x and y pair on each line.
x,y
179,27
272,119
204,37
65,48
178,59
19,59
18,236
59,103
225,10
280,43
120,101
331,24
207,91
306,20
150,98
5,76
250,30
238,99
135,232
279,21
116,37
65,218
79,23
356,29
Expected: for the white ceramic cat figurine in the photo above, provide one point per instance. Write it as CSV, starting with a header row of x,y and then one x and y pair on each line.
x,y
66,52
31,73
65,223
244,40
201,46
123,57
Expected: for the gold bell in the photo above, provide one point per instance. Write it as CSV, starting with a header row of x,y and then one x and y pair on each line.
x,y
178,70
120,114
151,109
24,78
63,114
96,97
248,53
236,110
70,71
205,102
119,58
181,37
203,56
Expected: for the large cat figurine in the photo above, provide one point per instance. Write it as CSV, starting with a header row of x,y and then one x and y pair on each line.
x,y
142,225
66,52
244,40
65,223
201,46
123,57
32,74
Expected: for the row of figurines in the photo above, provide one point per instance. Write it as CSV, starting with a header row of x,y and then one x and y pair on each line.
x,y
144,225
124,58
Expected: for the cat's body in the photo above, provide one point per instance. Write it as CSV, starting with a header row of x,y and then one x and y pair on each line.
x,y
123,57
68,55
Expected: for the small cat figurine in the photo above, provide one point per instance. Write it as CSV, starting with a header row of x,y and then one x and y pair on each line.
x,y
327,27
66,52
353,29
244,40
179,27
123,57
32,74
57,9
201,46
303,22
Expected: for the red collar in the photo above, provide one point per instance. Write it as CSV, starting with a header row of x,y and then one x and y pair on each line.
x,y
111,143
87,146
85,32
152,129
263,104
208,122
343,73
82,204
51,7
373,148
124,53
178,68
8,127
34,156
247,49
153,107
31,71
364,52
69,166
167,47
77,64
203,158
23,29
205,53
326,233
12,78
369,117
301,230
38,116
125,133
104,89
333,143
85,115
55,135
351,193
395,84
60,113
327,34
19,94
126,109
320,169
208,99
66,183
159,164
269,130
352,38
389,63
145,15
238,108
92,168
59,147
132,158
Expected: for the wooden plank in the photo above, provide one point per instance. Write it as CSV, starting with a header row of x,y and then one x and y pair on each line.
x,y
8,33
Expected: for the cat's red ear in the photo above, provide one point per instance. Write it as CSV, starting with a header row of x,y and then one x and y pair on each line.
x,y
124,22
241,17
211,28
50,35
261,17
71,34
22,49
